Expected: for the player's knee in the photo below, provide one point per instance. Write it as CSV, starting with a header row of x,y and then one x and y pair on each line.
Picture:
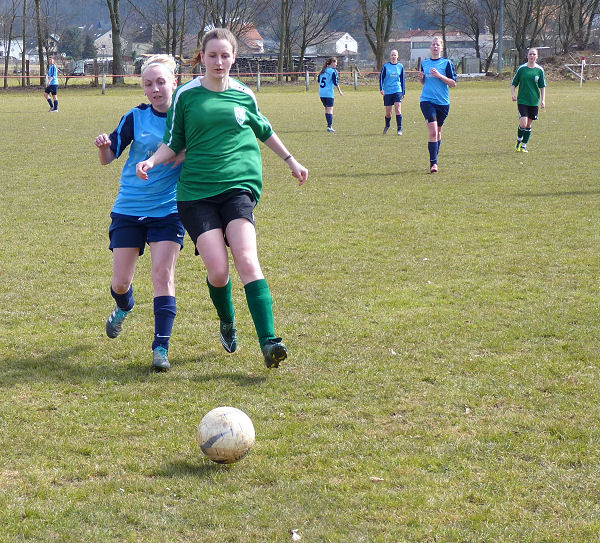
x,y
162,277
247,266
120,285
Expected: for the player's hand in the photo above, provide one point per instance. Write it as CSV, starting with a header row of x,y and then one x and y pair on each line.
x,y
102,141
435,73
422,77
298,171
514,98
543,104
142,169
382,93
341,93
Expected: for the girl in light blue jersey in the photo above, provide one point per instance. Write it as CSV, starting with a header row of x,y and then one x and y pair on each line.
x,y
392,87
328,81
145,211
52,87
437,76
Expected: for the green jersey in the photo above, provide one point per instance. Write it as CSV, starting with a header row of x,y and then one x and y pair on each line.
x,y
218,130
530,81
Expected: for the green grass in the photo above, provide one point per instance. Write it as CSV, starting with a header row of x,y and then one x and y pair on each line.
x,y
443,334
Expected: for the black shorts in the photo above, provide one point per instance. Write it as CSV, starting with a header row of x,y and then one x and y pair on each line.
x,y
327,102
51,89
199,216
531,112
132,231
434,112
391,99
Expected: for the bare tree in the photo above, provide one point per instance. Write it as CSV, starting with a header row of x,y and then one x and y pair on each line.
x,y
236,15
313,21
166,18
24,79
114,9
491,10
525,20
285,54
574,23
8,22
40,41
471,17
445,13
377,18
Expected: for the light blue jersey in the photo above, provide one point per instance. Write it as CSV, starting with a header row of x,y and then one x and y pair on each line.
x,y
328,80
434,89
52,74
143,127
391,78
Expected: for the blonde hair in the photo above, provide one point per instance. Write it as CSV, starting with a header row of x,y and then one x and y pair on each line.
x,y
159,60
215,34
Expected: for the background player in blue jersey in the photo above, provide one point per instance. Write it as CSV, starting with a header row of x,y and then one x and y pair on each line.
x,y
52,87
328,80
437,76
145,211
392,87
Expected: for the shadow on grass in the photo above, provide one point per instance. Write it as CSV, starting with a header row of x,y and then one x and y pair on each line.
x,y
238,378
555,194
183,468
66,365
74,365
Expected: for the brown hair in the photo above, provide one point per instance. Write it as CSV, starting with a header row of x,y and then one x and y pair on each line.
x,y
328,62
215,34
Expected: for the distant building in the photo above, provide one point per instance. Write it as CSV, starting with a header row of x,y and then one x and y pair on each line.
x,y
413,45
31,51
250,41
336,44
104,44
15,52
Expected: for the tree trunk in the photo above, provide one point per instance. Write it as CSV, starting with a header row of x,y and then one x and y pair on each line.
x,y
115,21
181,35
40,43
7,56
24,80
284,30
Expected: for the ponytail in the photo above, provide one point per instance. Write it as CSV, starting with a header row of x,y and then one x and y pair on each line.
x,y
328,62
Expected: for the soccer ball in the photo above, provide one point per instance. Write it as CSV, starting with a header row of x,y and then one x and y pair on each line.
x,y
226,435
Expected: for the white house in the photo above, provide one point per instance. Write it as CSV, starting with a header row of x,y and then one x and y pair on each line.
x,y
104,45
413,45
31,52
337,43
16,49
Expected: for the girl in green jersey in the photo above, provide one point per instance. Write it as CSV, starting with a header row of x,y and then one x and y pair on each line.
x,y
531,80
217,120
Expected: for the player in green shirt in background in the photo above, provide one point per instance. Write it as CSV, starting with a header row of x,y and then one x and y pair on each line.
x,y
531,80
217,120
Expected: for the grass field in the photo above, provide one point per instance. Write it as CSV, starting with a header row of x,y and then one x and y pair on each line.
x,y
445,353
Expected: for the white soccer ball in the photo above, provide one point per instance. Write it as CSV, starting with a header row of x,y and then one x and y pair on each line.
x,y
226,435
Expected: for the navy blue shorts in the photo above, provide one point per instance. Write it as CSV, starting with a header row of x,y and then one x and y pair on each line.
x,y
435,112
51,89
391,99
327,102
199,216
531,112
132,231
